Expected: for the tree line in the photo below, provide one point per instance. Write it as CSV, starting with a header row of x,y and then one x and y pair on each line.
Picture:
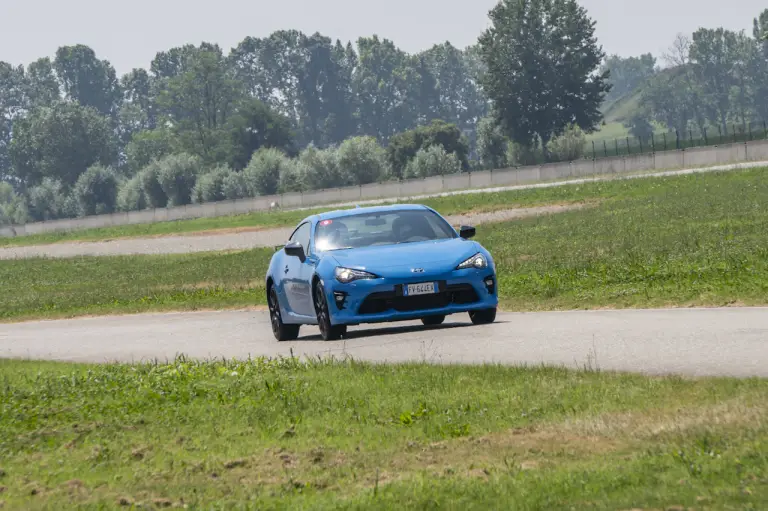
x,y
293,112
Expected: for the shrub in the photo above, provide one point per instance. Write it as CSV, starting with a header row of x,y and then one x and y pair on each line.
x,y
149,177
95,191
569,145
210,185
322,169
363,160
491,144
131,196
47,200
432,161
177,175
262,176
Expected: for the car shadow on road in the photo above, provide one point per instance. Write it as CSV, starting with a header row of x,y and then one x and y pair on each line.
x,y
390,330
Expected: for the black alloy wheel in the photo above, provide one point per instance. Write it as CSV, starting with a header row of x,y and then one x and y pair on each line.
x,y
280,330
328,331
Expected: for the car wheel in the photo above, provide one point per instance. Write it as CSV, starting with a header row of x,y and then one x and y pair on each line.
x,y
328,331
433,320
280,330
483,317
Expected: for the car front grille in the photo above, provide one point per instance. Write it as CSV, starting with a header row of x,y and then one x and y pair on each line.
x,y
458,294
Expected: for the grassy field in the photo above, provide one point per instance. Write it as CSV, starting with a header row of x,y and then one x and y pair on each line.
x,y
286,434
678,241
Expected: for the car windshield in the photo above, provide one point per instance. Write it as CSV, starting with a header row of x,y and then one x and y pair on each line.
x,y
383,228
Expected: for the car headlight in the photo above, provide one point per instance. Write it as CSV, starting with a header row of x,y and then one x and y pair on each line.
x,y
476,261
346,275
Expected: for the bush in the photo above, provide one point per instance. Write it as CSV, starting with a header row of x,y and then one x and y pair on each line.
x,y
234,186
432,161
47,201
177,175
293,178
149,177
262,176
95,191
131,196
147,146
363,160
322,169
210,185
570,145
402,147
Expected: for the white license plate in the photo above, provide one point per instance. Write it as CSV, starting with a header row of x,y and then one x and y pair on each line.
x,y
423,288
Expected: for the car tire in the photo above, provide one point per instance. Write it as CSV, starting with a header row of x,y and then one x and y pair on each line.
x,y
433,320
280,330
483,317
328,331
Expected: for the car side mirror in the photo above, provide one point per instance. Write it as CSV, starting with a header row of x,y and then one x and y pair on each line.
x,y
294,248
467,231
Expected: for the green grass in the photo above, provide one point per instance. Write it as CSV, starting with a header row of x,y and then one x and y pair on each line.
x,y
447,205
285,434
676,241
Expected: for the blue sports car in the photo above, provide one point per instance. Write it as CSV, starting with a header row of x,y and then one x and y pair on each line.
x,y
378,264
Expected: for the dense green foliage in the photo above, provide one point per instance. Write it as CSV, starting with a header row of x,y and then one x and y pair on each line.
x,y
506,100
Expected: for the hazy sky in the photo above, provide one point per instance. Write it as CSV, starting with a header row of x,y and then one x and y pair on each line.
x,y
130,33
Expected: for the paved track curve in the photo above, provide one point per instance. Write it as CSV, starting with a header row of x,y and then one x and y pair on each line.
x,y
694,342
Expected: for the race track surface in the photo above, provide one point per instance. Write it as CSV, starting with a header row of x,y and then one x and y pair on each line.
x,y
694,342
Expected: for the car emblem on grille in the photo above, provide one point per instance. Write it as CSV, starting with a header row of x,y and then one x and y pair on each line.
x,y
417,270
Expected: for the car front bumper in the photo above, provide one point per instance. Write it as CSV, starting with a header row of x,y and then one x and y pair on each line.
x,y
383,300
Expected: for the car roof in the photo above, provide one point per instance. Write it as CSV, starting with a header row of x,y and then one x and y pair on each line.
x,y
340,213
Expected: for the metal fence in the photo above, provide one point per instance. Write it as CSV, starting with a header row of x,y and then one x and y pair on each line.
x,y
675,140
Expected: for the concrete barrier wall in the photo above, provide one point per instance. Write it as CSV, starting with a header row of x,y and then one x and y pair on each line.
x,y
664,160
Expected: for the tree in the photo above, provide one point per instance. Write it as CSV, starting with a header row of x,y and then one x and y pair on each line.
x,y
211,186
432,161
96,191
198,102
88,80
254,126
569,145
146,146
13,105
713,54
639,125
130,195
491,143
541,58
42,84
60,142
627,74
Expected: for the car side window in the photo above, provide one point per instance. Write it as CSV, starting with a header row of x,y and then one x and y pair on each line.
x,y
302,236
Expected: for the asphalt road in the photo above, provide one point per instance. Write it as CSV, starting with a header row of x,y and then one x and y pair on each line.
x,y
695,342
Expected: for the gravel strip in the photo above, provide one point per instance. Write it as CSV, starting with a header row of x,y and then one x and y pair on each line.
x,y
230,241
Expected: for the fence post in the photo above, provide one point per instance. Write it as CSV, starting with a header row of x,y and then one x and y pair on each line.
x,y
616,142
665,140
629,151
765,129
594,154
734,132
677,139
605,148
641,144
706,142
720,133
653,143
750,131
690,137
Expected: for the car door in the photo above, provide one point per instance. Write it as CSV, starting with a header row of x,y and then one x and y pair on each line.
x,y
297,275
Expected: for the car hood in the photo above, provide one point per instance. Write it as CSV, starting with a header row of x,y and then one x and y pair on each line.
x,y
425,254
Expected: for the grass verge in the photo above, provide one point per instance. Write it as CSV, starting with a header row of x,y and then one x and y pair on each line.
x,y
450,205
700,239
285,434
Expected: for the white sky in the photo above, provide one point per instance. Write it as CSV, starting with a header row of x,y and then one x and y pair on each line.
x,y
129,34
